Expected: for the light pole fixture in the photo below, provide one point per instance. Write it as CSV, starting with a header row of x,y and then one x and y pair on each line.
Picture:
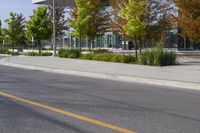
x,y
54,3
54,29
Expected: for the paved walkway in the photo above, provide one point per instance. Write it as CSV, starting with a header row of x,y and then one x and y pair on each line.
x,y
186,75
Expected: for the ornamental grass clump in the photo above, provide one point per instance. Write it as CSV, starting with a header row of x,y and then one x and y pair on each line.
x,y
158,57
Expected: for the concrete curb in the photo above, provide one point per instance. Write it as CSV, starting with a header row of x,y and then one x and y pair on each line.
x,y
170,83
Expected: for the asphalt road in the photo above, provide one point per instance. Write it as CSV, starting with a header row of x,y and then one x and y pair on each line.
x,y
137,107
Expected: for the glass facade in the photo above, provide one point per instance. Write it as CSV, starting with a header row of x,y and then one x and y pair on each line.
x,y
109,40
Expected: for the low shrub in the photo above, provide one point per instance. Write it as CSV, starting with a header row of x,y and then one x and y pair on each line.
x,y
100,51
110,57
4,51
103,57
87,56
13,53
69,53
31,54
37,54
46,54
129,59
158,57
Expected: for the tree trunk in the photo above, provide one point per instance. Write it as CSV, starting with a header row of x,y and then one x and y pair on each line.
x,y
93,45
140,46
80,43
40,47
89,44
13,47
136,53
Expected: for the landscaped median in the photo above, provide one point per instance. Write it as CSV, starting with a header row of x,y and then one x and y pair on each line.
x,y
98,55
154,57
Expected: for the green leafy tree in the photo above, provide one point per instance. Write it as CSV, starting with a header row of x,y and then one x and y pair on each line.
x,y
100,21
1,34
39,26
128,18
159,16
16,29
61,22
80,17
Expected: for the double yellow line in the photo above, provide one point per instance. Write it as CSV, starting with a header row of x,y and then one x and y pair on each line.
x,y
76,116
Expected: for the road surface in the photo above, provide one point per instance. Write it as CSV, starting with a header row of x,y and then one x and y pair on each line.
x,y
118,105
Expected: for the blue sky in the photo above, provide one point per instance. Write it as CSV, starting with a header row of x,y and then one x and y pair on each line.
x,y
19,6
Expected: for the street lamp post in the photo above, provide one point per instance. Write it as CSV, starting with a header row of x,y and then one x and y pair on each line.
x,y
54,29
66,3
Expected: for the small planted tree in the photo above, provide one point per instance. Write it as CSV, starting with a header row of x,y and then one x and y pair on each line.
x,y
189,18
159,17
80,18
128,18
61,22
15,30
100,21
39,26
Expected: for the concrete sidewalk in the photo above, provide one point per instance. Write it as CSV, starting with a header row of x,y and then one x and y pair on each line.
x,y
184,76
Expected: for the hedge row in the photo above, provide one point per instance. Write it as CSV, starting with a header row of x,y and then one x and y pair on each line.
x,y
110,57
37,54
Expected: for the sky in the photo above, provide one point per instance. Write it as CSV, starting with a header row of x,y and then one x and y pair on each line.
x,y
19,6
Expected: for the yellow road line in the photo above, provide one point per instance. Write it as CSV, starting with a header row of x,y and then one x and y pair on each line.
x,y
76,116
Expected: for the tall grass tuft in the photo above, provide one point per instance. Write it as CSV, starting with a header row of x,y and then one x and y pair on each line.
x,y
158,57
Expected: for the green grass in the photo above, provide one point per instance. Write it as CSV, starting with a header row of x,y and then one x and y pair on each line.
x,y
158,57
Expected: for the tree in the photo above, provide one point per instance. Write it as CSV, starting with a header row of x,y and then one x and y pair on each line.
x,y
80,18
16,29
61,23
128,18
159,16
100,20
1,34
39,26
189,18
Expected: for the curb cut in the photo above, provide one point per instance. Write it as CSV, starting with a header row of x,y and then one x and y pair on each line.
x,y
169,83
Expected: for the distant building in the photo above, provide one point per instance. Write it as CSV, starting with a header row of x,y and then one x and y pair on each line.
x,y
115,40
